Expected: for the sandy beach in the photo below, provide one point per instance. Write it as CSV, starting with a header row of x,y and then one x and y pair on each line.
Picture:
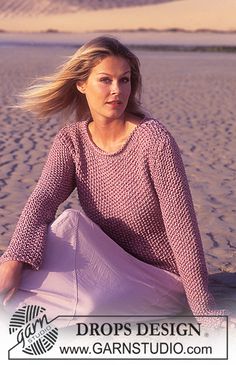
x,y
192,94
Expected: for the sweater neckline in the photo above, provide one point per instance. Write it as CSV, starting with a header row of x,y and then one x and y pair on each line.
x,y
101,151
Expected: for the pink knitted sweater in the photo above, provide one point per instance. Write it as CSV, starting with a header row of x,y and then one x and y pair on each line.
x,y
138,195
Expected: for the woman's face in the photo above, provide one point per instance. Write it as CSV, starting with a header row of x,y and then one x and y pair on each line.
x,y
108,88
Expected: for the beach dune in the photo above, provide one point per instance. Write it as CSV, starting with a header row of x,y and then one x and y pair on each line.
x,y
79,16
24,7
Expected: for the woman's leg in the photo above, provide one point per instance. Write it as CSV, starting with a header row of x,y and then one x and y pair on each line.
x,y
53,286
111,281
85,272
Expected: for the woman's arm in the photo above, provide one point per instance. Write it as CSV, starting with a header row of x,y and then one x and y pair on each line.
x,y
181,226
55,184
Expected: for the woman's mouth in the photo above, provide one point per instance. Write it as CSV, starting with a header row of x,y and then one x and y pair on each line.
x,y
114,103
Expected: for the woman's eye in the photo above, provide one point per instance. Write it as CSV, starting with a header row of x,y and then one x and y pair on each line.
x,y
106,80
125,80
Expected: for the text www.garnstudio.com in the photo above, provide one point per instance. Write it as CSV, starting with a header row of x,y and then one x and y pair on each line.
x,y
146,348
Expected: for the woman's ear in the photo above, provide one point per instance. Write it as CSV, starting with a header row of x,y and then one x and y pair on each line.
x,y
80,86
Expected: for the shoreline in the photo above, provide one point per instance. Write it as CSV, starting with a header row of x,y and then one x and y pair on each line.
x,y
150,40
152,48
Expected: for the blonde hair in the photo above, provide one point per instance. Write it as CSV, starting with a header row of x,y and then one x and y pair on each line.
x,y
58,92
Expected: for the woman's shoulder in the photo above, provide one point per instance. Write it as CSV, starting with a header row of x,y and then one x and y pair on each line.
x,y
154,131
68,129
159,142
68,134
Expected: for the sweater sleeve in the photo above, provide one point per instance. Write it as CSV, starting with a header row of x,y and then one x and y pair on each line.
x,y
182,229
56,183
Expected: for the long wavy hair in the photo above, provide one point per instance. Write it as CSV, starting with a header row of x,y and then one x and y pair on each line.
x,y
57,93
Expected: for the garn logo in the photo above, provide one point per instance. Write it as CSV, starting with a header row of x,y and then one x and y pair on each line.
x,y
34,332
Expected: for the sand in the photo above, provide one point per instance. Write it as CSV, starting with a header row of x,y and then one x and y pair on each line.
x,y
193,94
73,16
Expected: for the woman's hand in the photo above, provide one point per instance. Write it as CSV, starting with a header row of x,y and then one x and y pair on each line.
x,y
231,323
10,276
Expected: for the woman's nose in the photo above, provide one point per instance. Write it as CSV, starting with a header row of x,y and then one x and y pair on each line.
x,y
115,88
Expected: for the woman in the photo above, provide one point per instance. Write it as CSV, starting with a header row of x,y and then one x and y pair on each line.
x,y
134,247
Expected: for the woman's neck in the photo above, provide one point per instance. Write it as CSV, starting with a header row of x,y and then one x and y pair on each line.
x,y
111,135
